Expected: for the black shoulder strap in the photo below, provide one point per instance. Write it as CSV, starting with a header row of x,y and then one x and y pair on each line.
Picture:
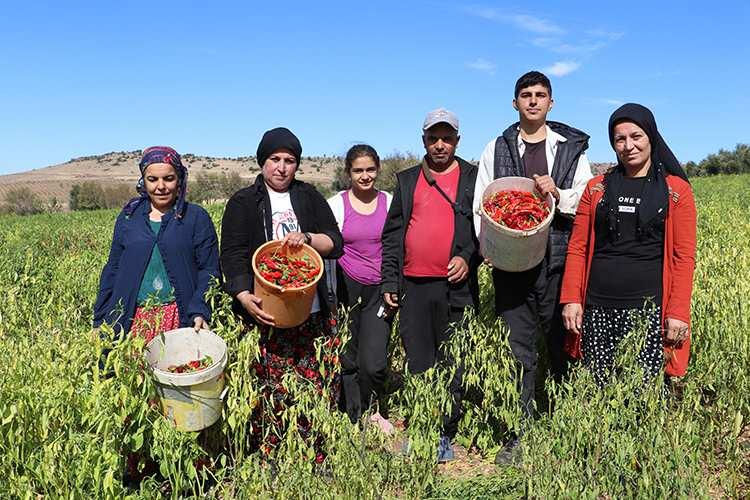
x,y
458,209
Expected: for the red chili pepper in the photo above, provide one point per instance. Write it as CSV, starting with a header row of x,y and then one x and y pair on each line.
x,y
516,209
288,272
192,366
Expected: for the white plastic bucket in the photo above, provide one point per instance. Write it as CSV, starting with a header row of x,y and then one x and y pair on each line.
x,y
191,401
508,249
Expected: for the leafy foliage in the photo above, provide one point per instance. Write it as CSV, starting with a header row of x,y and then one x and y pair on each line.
x,y
214,186
91,195
71,413
723,162
22,201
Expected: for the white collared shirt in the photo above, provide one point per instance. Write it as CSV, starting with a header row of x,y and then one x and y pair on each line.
x,y
569,198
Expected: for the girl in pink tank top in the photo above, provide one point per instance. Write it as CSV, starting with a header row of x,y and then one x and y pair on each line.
x,y
361,212
363,248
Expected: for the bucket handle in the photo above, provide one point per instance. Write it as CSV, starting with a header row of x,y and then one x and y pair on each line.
x,y
223,393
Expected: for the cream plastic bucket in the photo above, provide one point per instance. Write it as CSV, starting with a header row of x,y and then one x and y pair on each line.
x,y
191,401
508,249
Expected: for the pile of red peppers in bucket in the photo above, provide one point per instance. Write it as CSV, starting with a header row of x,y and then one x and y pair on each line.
x,y
196,365
287,272
516,209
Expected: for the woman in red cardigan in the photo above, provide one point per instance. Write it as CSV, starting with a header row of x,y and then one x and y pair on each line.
x,y
631,255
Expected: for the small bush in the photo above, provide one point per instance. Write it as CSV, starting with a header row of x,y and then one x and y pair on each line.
x,y
210,186
91,195
723,162
22,201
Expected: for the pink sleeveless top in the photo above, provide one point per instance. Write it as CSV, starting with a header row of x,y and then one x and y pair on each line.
x,y
363,247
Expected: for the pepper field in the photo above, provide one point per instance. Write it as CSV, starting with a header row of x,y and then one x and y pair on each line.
x,y
65,425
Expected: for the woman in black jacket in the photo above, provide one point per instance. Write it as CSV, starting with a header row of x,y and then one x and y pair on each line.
x,y
279,207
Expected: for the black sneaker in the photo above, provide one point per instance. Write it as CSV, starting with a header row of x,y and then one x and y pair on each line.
x,y
510,454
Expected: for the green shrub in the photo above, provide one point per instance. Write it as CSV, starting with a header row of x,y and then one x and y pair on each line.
x,y
91,195
723,162
22,201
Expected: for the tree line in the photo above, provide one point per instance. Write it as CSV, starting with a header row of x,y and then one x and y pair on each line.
x,y
723,162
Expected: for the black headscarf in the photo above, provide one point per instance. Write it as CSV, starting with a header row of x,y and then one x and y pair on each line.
x,y
652,211
275,139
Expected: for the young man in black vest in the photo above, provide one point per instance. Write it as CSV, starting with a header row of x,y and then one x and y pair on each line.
x,y
553,154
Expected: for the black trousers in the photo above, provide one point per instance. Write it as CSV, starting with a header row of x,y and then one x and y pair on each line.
x,y
364,362
529,302
427,320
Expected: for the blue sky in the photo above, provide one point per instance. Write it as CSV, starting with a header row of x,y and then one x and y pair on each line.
x,y
81,78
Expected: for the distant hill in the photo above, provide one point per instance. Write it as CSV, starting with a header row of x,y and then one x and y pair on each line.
x,y
122,167
119,167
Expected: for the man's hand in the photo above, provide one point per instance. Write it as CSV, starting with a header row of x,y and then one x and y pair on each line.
x,y
573,318
545,185
199,323
253,304
458,270
676,331
391,299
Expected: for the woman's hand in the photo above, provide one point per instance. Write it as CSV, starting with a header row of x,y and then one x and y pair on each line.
x,y
294,240
573,318
676,331
253,304
199,323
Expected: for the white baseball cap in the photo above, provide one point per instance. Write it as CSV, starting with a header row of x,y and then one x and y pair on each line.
x,y
440,115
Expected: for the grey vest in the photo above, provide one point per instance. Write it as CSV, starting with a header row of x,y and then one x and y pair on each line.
x,y
508,163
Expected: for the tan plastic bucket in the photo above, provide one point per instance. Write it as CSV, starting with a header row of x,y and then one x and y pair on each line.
x,y
191,401
289,306
508,249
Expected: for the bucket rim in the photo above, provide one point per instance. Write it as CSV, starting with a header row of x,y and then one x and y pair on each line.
x,y
518,232
278,288
190,378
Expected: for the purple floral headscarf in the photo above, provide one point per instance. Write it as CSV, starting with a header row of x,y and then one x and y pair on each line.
x,y
160,154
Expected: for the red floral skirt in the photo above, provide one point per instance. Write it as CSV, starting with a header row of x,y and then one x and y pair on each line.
x,y
292,350
150,322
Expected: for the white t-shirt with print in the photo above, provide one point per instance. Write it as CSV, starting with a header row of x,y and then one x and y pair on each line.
x,y
283,222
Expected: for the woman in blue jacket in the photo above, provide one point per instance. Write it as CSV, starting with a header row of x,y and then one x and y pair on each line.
x,y
163,257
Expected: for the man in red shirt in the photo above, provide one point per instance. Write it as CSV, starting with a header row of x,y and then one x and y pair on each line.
x,y
430,254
